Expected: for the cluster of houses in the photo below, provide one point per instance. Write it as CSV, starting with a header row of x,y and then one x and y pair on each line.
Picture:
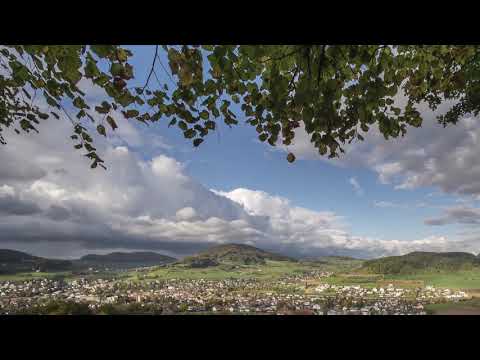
x,y
344,299
287,295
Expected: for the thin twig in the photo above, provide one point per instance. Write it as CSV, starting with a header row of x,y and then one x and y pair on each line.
x,y
164,69
151,70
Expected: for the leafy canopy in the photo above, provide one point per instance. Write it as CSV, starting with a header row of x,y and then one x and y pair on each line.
x,y
332,90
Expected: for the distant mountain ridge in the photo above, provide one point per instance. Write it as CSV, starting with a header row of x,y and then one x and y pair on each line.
x,y
422,262
12,261
239,254
133,259
11,256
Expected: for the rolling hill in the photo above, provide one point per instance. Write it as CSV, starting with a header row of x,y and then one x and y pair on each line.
x,y
335,263
12,261
236,254
125,260
422,262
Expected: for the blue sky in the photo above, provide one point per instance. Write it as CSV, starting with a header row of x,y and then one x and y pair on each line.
x,y
381,198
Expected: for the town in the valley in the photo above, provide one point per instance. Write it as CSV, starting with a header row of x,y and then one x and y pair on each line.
x,y
239,280
288,295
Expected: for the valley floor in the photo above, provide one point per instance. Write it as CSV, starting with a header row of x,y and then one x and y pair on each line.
x,y
277,287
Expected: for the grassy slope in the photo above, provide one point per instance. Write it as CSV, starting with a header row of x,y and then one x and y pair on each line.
x,y
272,269
337,263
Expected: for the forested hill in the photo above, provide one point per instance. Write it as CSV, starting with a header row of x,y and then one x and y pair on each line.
x,y
422,262
12,261
238,254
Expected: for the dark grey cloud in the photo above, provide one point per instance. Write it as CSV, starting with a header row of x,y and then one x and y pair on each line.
x,y
13,170
457,215
436,221
57,213
13,206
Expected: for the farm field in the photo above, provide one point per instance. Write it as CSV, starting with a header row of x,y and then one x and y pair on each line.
x,y
457,280
467,307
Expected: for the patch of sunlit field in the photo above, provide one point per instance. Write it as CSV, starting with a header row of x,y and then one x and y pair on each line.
x,y
269,271
403,284
367,281
464,280
455,280
33,275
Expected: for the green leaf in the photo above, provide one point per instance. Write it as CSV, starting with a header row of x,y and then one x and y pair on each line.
x,y
122,55
81,114
190,133
86,137
91,69
172,122
182,125
130,113
197,142
101,130
210,125
125,99
111,122
103,50
204,115
116,69
50,100
89,147
80,103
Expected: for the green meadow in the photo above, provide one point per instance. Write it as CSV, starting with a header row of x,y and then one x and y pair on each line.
x,y
455,280
271,270
34,275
